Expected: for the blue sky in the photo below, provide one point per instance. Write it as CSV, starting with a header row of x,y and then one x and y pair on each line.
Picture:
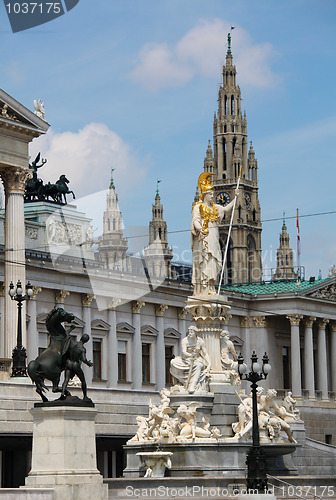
x,y
132,84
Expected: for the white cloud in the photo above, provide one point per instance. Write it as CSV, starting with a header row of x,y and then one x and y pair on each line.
x,y
202,51
86,157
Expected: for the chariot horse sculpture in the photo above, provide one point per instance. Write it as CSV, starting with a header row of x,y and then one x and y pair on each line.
x,y
50,363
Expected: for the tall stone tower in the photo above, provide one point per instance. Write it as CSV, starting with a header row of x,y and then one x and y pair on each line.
x,y
113,246
285,268
230,156
158,254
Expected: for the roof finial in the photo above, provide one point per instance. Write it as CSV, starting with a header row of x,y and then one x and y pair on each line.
x,y
229,40
284,218
112,181
157,187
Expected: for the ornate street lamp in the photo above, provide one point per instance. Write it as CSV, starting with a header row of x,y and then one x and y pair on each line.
x,y
19,356
255,457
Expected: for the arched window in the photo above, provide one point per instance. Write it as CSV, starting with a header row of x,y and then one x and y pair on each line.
x,y
239,212
233,145
108,225
254,215
114,224
251,261
232,105
226,106
160,233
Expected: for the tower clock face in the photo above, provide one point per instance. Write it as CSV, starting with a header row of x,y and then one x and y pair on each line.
x,y
247,199
223,199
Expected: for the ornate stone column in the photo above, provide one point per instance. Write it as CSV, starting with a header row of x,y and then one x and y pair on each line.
x,y
14,181
2,320
137,305
333,356
322,368
261,338
294,320
181,315
309,357
245,324
113,344
160,347
60,296
32,333
86,308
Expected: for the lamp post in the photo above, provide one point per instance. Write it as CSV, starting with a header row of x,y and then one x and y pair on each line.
x,y
19,356
255,457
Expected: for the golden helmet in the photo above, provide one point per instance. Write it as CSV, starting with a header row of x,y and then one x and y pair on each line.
x,y
204,184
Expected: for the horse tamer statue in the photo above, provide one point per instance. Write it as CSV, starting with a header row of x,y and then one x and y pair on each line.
x,y
64,353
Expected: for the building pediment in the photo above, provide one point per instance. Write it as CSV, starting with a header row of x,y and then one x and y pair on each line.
x,y
236,340
15,115
171,333
124,327
100,324
325,291
149,330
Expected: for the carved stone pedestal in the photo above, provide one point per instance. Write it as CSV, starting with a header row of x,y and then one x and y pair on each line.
x,y
64,453
210,312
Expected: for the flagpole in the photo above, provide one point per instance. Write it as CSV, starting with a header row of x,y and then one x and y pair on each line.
x,y
298,243
228,237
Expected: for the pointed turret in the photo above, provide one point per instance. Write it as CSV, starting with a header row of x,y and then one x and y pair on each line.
x,y
158,254
113,246
285,269
209,160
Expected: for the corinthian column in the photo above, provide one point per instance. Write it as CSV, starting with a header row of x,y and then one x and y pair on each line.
x,y
60,296
245,326
181,315
32,333
294,320
14,181
160,347
86,304
309,357
113,344
137,305
322,368
2,320
333,356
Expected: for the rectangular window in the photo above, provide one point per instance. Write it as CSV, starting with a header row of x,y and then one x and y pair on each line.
x,y
169,355
146,363
97,358
122,372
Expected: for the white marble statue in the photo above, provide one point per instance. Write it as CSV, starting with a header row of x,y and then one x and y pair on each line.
x,y
192,368
162,426
229,358
39,109
207,254
271,416
188,428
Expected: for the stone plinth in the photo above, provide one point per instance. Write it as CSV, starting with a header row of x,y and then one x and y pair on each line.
x,y
209,312
64,453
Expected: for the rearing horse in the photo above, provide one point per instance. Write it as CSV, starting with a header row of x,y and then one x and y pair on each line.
x,y
50,364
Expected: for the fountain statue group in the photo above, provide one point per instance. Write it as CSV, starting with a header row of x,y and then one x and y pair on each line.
x,y
208,361
63,354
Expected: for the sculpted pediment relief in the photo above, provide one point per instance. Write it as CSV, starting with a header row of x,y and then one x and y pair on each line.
x,y
326,293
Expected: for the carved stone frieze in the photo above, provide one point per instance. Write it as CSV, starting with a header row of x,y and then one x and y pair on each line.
x,y
137,305
294,319
327,293
31,233
14,179
87,299
160,309
62,233
60,296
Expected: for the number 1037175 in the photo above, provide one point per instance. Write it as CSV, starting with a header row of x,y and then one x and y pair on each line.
x,y
307,491
34,7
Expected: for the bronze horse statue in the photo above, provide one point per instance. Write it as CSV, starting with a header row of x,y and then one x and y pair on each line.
x,y
50,364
